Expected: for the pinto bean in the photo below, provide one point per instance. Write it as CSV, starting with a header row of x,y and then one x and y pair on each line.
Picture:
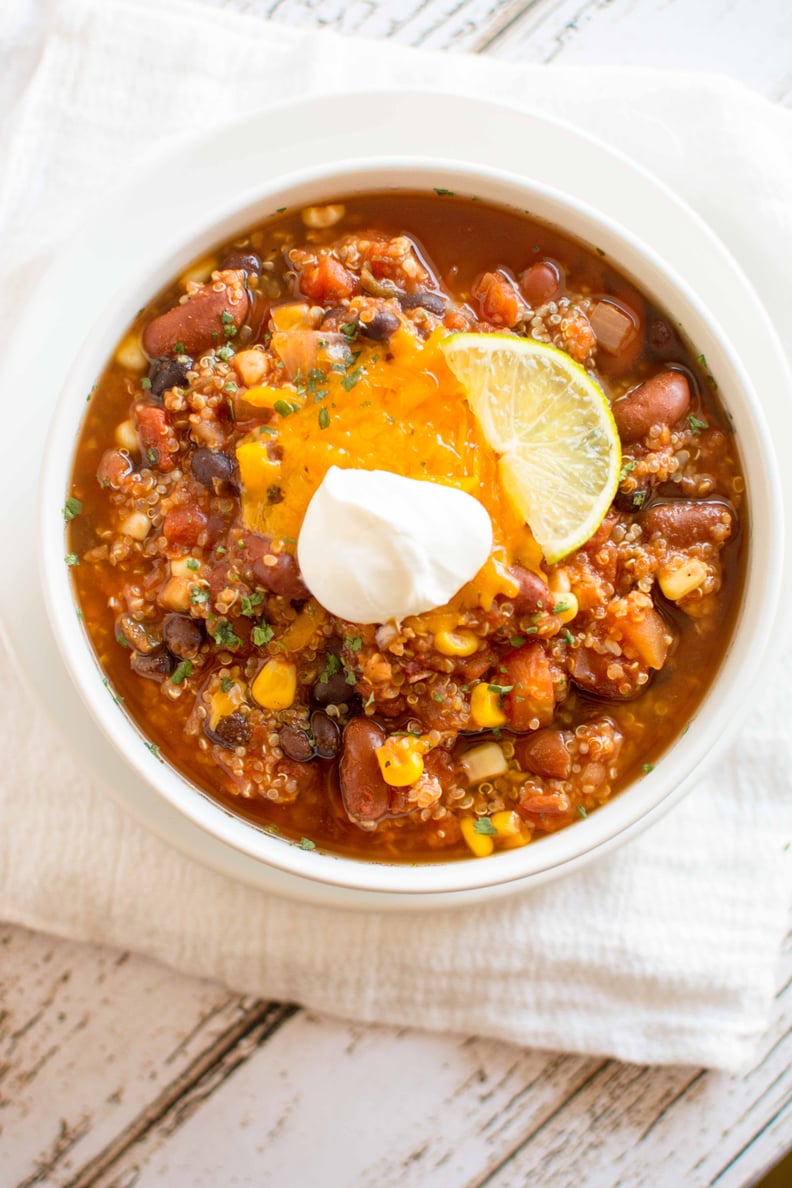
x,y
683,522
327,736
540,283
534,594
155,666
204,320
183,635
295,743
545,754
281,578
661,400
364,792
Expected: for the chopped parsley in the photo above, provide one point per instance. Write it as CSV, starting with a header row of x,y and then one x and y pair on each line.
x,y
192,564
560,608
516,641
350,678
349,381
703,360
695,424
225,353
349,329
230,387
182,671
153,748
250,602
72,508
72,559
485,827
228,324
332,666
582,810
145,384
648,767
178,348
226,685
639,498
307,844
261,634
501,690
568,637
443,193
627,468
283,408
353,642
324,418
225,636
198,595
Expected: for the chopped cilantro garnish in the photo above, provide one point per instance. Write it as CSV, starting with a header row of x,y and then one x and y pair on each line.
x,y
182,671
369,701
72,559
350,678
153,748
145,383
639,498
696,425
568,637
349,329
703,360
443,193
226,684
648,767
230,387
225,353
353,642
283,408
560,608
72,508
250,601
332,666
178,348
198,595
261,634
307,844
582,810
324,418
192,564
485,827
225,636
501,690
627,468
516,641
349,381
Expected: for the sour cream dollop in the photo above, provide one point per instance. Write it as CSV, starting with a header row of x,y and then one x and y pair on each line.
x,y
375,546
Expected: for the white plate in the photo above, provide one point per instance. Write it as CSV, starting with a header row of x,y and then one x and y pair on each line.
x,y
314,131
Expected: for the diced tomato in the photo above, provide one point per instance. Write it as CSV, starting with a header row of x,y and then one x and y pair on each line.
x,y
183,526
155,435
327,281
531,701
498,299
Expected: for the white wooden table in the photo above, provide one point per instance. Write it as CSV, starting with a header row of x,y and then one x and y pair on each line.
x,y
115,1071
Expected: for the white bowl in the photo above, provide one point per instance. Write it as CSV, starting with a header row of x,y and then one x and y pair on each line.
x,y
628,811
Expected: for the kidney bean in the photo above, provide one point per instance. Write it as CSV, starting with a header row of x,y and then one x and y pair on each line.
x,y
382,325
545,753
435,303
661,400
540,283
281,578
155,666
215,470
364,792
682,523
183,635
534,595
204,320
590,674
165,374
184,526
531,701
327,736
246,261
334,691
295,743
230,732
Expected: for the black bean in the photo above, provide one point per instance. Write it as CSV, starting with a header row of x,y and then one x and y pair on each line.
x,y
327,736
230,732
247,261
341,320
296,743
154,666
165,374
215,470
434,302
381,326
334,691
183,635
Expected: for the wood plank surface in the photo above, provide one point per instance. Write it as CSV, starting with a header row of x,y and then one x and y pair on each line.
x,y
115,1071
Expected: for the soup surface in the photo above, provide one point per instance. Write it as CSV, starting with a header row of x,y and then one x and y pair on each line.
x,y
315,341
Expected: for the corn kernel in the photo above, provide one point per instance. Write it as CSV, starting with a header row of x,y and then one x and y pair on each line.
x,y
126,437
400,761
320,217
456,643
483,762
251,367
485,707
481,844
677,582
130,353
275,687
507,823
136,525
223,704
565,607
517,840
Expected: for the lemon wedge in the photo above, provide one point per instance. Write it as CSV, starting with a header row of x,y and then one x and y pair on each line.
x,y
552,426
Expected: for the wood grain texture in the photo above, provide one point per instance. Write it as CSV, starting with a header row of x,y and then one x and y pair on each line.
x,y
115,1071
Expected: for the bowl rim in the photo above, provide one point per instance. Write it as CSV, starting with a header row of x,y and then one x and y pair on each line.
x,y
569,848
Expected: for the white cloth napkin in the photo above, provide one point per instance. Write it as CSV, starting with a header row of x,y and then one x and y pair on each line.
x,y
662,952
